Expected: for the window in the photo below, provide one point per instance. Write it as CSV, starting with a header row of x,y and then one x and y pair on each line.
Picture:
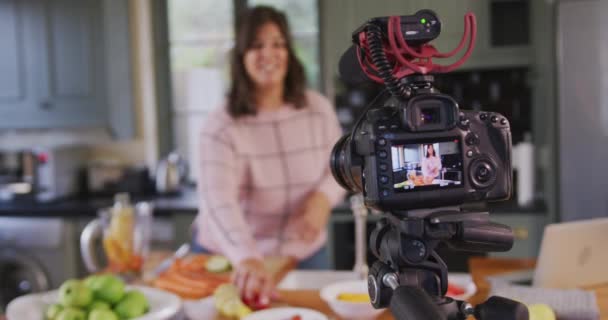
x,y
201,35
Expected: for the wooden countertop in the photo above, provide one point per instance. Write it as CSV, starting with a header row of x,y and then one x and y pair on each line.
x,y
480,267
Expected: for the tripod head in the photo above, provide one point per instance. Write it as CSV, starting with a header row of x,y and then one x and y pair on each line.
x,y
412,279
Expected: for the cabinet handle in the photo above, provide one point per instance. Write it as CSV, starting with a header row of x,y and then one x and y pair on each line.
x,y
46,104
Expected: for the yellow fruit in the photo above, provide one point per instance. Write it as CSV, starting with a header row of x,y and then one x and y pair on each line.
x,y
228,303
121,228
354,297
234,308
224,293
242,311
541,312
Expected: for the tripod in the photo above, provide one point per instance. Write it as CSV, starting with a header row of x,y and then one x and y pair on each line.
x,y
412,279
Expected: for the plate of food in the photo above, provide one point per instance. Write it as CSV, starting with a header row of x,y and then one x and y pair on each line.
x,y
286,313
103,297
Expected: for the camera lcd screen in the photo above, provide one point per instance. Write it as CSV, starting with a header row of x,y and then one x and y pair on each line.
x,y
426,165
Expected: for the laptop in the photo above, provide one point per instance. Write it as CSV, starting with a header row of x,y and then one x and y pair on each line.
x,y
573,254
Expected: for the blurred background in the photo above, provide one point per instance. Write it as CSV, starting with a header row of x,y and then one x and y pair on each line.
x,y
100,97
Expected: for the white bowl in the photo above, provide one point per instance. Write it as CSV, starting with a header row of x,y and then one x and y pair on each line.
x,y
163,305
465,282
345,309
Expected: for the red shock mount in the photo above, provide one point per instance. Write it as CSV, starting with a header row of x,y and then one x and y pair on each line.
x,y
406,59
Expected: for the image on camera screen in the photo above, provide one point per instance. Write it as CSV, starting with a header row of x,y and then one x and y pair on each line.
x,y
431,165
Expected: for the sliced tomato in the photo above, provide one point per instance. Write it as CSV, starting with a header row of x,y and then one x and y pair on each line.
x,y
255,303
454,290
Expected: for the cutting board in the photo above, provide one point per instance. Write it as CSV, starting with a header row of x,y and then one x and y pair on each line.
x,y
278,267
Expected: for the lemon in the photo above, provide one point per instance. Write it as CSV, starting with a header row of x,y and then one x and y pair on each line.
x,y
541,312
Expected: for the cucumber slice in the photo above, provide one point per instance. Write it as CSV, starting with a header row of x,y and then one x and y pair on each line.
x,y
217,264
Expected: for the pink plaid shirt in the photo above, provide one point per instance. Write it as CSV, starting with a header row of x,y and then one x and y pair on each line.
x,y
255,172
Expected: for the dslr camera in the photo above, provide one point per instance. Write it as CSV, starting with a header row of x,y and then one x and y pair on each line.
x,y
417,149
417,157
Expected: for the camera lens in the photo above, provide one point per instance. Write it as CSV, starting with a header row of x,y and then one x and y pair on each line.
x,y
342,167
482,173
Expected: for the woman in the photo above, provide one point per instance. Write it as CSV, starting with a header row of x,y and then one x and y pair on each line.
x,y
264,184
431,165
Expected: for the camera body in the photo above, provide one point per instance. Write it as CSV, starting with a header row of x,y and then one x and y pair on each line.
x,y
424,152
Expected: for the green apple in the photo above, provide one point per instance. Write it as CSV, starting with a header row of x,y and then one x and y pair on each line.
x,y
102,314
108,288
73,293
130,308
52,311
98,304
137,297
71,314
90,281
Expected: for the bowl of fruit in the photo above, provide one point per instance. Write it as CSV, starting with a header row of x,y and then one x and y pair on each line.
x,y
98,297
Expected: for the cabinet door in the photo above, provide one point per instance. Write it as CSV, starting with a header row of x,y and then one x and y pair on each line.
x,y
73,60
51,71
19,65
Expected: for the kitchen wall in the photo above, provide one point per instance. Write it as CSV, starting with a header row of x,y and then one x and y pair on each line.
x,y
140,150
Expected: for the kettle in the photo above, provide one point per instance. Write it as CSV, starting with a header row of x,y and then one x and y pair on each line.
x,y
170,174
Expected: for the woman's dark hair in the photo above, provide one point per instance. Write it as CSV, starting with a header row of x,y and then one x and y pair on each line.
x,y
427,150
241,95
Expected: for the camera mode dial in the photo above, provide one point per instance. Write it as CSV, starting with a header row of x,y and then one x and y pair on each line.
x,y
482,173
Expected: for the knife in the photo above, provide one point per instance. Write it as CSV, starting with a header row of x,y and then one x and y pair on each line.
x,y
181,252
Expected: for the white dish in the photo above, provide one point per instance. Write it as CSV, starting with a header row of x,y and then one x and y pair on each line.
x,y
286,314
464,281
346,309
314,279
355,310
200,309
163,305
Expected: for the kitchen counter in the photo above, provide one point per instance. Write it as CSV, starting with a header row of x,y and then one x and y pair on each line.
x,y
184,202
502,207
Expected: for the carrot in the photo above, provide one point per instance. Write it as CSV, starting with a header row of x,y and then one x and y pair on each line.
x,y
206,276
186,282
189,278
181,290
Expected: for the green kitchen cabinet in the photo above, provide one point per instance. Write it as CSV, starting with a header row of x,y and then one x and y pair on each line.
x,y
60,65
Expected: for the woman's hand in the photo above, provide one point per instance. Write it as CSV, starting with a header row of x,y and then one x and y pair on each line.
x,y
254,281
